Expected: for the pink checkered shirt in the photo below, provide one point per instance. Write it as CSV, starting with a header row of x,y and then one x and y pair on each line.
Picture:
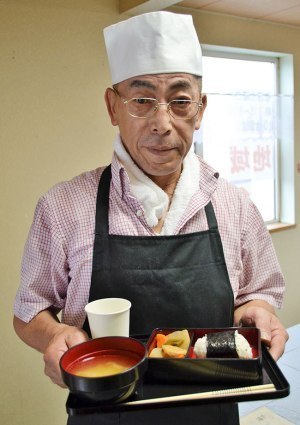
x,y
57,261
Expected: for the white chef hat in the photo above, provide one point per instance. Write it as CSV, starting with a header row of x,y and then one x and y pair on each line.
x,y
153,43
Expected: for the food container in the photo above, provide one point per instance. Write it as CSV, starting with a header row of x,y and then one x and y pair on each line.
x,y
206,370
82,359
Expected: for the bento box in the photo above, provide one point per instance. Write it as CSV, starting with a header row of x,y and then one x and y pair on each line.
x,y
218,365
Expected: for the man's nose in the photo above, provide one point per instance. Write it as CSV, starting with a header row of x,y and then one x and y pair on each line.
x,y
161,121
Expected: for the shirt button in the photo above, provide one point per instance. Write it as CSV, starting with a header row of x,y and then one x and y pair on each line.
x,y
139,213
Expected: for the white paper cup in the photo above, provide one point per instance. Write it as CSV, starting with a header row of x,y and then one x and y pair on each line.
x,y
108,317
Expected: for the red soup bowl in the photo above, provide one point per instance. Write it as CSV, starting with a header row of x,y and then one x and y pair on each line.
x,y
107,369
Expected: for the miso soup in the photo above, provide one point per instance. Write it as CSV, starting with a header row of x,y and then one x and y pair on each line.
x,y
103,364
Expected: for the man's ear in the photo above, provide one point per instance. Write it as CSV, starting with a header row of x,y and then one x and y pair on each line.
x,y
110,98
201,112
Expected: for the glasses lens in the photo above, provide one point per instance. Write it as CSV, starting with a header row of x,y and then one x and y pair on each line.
x,y
183,109
141,107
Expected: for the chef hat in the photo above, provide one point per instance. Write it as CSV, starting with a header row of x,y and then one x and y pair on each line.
x,y
153,43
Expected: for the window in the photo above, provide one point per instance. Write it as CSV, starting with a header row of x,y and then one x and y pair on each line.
x,y
248,120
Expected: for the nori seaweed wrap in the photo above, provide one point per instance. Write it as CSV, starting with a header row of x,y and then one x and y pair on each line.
x,y
221,344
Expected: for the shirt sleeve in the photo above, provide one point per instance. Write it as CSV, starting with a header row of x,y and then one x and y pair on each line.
x,y
261,277
44,272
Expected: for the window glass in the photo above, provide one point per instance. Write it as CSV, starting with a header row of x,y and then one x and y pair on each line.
x,y
238,136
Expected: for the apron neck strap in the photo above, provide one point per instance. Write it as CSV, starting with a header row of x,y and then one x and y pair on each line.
x,y
101,227
211,217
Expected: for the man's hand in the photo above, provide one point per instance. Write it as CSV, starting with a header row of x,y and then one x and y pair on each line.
x,y
263,317
47,335
64,339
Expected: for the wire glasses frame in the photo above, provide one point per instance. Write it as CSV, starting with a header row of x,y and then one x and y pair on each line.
x,y
145,107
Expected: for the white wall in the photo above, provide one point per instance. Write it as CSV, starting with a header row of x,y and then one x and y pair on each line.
x,y
53,125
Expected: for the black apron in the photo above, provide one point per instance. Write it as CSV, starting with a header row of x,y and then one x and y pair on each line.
x,y
176,281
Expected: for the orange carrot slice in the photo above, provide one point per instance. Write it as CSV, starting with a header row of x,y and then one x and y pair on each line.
x,y
160,340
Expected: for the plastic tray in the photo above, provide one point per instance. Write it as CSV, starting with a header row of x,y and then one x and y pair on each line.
x,y
273,385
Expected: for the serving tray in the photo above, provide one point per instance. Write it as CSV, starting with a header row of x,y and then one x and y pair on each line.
x,y
273,385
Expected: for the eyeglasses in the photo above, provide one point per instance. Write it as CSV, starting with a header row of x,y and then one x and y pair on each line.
x,y
146,107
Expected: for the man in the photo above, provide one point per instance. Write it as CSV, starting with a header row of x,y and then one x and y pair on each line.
x,y
185,247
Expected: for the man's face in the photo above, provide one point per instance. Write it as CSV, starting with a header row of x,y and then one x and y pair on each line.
x,y
157,144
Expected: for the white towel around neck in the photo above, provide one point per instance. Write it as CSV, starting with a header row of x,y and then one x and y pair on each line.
x,y
154,200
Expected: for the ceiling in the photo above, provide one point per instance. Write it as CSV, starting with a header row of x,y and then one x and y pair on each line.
x,y
279,11
285,12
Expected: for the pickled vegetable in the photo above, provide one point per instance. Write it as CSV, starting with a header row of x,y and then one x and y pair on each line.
x,y
174,345
179,339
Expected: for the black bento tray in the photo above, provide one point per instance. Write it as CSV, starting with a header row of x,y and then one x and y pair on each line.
x,y
273,385
209,370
